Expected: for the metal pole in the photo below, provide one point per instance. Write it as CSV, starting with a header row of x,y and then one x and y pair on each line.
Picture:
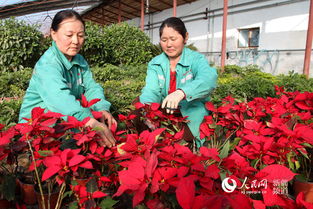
x,y
223,53
142,15
174,7
308,48
119,18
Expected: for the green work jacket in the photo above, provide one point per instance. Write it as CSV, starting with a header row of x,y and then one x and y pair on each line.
x,y
193,75
57,83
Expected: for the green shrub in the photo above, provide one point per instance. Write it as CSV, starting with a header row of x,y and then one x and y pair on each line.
x,y
14,84
295,82
117,44
9,111
127,44
235,70
244,84
94,49
20,45
121,84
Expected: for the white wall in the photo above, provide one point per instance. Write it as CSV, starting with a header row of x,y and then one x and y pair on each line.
x,y
283,27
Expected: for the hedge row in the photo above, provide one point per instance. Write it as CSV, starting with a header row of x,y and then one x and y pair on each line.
x,y
122,84
21,45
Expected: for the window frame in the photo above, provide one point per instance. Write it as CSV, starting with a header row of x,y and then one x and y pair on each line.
x,y
249,37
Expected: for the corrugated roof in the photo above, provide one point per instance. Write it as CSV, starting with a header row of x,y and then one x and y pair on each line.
x,y
107,12
101,11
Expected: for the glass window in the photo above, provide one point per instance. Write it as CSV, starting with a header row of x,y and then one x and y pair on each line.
x,y
243,40
248,37
254,39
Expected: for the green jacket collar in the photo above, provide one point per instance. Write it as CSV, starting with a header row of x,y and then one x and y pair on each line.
x,y
67,64
162,59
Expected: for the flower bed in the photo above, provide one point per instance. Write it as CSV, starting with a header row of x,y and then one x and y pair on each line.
x,y
252,152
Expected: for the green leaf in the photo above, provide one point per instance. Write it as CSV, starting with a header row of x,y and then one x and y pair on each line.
x,y
45,153
225,150
107,203
304,154
235,143
73,205
74,182
222,175
92,186
68,193
290,161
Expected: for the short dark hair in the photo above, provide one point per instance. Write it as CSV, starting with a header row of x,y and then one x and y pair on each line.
x,y
63,15
175,23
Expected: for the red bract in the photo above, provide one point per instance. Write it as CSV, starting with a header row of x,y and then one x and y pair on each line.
x,y
85,103
133,179
275,172
238,165
72,122
64,162
6,136
185,192
301,203
40,121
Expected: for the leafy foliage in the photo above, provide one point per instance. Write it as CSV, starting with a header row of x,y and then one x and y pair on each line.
x,y
295,82
14,84
121,84
94,49
116,44
9,111
244,84
20,45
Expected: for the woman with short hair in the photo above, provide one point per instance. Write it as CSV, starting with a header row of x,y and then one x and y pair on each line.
x,y
62,76
180,78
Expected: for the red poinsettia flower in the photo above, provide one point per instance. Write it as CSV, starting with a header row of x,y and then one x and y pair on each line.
x,y
64,162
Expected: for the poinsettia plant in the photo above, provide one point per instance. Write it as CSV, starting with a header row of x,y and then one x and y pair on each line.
x,y
252,151
263,132
8,166
160,172
65,151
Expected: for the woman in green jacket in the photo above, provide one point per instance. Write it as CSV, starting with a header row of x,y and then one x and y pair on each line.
x,y
61,76
179,78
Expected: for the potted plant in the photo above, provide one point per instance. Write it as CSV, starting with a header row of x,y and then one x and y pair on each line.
x,y
7,168
266,131
40,137
303,183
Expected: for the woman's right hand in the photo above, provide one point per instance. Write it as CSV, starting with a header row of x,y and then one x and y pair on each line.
x,y
103,130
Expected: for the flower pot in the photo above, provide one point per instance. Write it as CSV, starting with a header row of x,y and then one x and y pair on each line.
x,y
6,204
52,200
306,188
27,192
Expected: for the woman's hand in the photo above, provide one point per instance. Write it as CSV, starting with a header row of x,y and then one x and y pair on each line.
x,y
170,103
107,118
103,130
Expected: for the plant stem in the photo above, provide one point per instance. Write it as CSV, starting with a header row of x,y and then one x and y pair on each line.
x,y
37,175
58,205
49,193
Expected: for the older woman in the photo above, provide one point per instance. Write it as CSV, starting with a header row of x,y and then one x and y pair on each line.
x,y
179,78
62,75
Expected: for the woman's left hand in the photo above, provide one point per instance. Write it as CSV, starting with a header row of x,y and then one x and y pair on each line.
x,y
107,118
170,103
